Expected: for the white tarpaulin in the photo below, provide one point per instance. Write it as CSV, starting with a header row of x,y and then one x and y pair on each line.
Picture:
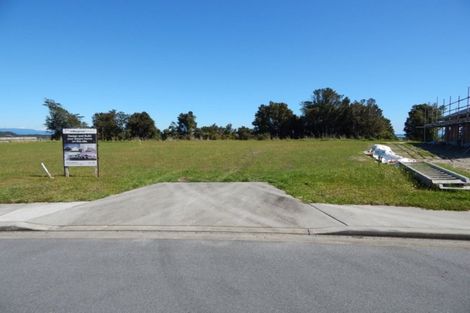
x,y
384,154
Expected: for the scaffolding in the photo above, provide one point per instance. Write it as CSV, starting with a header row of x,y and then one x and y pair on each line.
x,y
453,122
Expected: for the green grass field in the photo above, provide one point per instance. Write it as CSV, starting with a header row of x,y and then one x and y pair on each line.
x,y
330,171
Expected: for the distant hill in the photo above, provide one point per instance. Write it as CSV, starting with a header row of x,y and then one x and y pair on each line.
x,y
24,132
7,134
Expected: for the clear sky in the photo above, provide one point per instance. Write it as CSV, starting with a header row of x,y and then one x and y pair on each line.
x,y
222,59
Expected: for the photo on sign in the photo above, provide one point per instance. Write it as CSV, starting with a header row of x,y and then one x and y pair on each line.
x,y
79,152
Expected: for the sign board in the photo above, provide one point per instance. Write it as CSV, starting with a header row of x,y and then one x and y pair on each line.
x,y
80,147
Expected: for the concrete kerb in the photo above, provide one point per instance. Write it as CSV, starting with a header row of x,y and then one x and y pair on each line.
x,y
451,234
328,231
24,226
192,229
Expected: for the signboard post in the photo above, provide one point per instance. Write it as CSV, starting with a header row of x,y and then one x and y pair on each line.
x,y
80,148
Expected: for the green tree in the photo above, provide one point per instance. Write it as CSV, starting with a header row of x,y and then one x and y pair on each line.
x,y
418,116
275,119
121,119
321,113
141,125
228,132
330,114
244,133
377,126
365,120
110,125
59,118
215,132
171,132
212,132
186,125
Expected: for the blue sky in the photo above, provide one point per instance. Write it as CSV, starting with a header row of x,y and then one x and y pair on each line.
x,y
222,59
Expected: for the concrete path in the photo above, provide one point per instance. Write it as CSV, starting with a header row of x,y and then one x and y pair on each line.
x,y
399,221
230,207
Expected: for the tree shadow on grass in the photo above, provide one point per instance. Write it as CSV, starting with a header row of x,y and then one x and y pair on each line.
x,y
445,151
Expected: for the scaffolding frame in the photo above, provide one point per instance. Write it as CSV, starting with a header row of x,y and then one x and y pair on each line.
x,y
454,120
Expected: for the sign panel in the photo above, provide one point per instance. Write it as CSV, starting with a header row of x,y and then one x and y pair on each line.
x,y
80,147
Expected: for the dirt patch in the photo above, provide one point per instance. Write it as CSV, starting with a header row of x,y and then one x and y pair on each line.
x,y
360,158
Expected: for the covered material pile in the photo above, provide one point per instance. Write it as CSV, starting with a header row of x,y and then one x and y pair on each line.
x,y
384,154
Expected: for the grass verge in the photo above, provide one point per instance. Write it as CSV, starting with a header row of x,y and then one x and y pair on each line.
x,y
327,171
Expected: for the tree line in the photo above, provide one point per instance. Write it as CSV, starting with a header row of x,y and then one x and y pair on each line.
x,y
420,115
326,114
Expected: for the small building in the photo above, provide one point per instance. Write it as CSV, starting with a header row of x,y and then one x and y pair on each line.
x,y
18,139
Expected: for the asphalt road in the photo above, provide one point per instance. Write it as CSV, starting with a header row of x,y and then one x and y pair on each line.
x,y
154,275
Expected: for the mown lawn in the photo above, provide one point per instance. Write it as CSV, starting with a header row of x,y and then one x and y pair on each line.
x,y
330,171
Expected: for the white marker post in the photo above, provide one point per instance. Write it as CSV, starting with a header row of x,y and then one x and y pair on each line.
x,y
47,172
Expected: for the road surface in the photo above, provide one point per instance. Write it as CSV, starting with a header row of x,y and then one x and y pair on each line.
x,y
157,275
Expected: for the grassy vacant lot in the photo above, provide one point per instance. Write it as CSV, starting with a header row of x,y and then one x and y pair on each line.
x,y
333,171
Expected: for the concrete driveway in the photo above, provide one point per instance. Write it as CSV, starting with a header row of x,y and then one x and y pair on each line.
x,y
195,206
231,207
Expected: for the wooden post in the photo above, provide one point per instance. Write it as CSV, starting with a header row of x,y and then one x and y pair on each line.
x,y
66,170
97,168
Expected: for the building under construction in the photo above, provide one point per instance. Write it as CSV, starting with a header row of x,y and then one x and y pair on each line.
x,y
453,124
